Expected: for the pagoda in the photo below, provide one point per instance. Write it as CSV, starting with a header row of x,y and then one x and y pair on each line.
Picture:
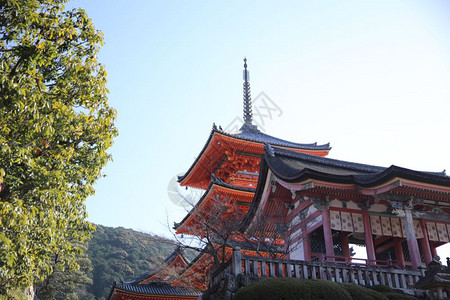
x,y
229,165
274,208
227,168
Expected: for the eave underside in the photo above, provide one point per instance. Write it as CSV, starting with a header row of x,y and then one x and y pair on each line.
x,y
217,200
220,146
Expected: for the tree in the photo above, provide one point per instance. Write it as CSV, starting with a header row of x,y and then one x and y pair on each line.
x,y
65,283
55,129
218,228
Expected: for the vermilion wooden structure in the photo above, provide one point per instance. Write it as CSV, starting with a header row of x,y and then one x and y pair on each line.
x,y
313,206
399,215
227,168
156,284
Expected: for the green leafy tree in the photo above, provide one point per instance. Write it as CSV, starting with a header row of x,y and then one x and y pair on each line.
x,y
55,129
66,283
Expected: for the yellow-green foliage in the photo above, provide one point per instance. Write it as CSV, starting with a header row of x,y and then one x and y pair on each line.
x,y
55,128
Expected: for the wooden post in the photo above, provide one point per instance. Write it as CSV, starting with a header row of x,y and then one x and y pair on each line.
x,y
411,239
425,243
399,250
345,247
237,261
306,246
368,238
433,248
327,235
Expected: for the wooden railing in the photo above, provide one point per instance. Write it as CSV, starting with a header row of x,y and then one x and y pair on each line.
x,y
388,264
333,271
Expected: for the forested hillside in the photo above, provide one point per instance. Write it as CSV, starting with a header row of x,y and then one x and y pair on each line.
x,y
123,254
112,254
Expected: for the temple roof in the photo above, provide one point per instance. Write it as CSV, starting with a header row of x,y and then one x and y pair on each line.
x,y
156,288
177,252
294,168
250,135
214,182
248,140
291,166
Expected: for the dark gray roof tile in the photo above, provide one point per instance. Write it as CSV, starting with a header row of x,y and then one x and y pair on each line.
x,y
157,288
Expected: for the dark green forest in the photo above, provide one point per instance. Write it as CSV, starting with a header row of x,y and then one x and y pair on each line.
x,y
113,254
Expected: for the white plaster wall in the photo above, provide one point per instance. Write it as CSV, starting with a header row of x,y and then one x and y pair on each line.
x,y
296,251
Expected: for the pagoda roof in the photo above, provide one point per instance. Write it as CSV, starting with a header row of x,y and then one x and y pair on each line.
x,y
214,183
292,166
252,134
176,253
154,289
248,139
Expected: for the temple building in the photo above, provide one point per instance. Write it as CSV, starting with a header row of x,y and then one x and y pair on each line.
x,y
399,215
272,207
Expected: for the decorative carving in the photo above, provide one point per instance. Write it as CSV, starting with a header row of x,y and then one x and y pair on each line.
x,y
418,214
293,194
237,162
364,205
274,185
319,202
268,148
437,210
302,199
288,205
399,212
303,213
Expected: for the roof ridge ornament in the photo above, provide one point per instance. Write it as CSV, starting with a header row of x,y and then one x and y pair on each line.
x,y
269,149
247,96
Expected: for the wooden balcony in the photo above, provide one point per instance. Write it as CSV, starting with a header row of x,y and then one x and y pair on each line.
x,y
365,273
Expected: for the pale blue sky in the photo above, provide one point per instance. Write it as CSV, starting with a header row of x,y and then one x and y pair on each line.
x,y
370,77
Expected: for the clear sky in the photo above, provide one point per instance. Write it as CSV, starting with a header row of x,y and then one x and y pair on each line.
x,y
370,77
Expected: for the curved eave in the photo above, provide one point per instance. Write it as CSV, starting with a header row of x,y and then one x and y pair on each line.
x,y
185,180
396,185
144,295
197,176
244,195
358,174
274,155
191,274
389,180
263,171
251,134
158,273
377,181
